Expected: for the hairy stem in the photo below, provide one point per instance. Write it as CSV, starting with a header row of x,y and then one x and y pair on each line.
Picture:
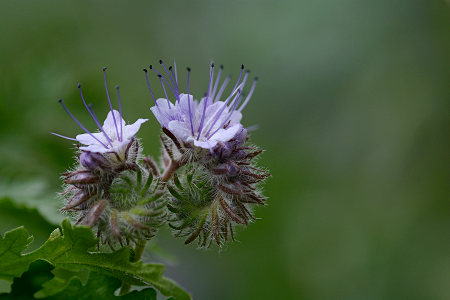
x,y
140,246
174,165
138,251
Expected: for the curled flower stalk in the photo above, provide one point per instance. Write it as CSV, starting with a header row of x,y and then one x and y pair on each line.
x,y
110,188
215,183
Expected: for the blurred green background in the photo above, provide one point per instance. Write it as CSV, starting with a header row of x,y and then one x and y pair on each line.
x,y
353,109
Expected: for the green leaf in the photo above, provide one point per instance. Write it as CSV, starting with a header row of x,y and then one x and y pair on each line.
x,y
100,287
30,282
13,214
72,250
62,280
33,194
93,285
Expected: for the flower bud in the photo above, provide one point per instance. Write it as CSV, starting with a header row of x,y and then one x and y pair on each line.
x,y
93,160
81,177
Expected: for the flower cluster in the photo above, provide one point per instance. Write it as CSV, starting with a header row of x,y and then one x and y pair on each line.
x,y
109,188
207,181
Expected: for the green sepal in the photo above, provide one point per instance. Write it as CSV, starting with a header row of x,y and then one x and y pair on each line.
x,y
150,199
147,185
174,193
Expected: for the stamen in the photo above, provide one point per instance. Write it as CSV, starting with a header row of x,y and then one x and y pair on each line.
x,y
252,128
149,88
229,114
94,117
218,114
235,86
175,69
222,88
242,85
217,82
189,100
109,101
176,83
206,102
120,113
165,93
64,137
239,79
91,107
172,80
79,124
249,95
210,87
161,76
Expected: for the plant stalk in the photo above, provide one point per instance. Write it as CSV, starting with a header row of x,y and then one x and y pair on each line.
x,y
174,165
140,246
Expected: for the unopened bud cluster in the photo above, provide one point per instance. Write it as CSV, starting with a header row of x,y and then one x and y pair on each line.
x,y
117,195
215,190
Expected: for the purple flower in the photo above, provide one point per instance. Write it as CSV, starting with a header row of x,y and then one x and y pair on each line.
x,y
113,137
206,122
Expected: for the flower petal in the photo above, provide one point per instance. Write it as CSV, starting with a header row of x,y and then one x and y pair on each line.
x,y
164,114
130,130
224,135
215,114
110,127
88,139
180,130
205,144
236,117
95,148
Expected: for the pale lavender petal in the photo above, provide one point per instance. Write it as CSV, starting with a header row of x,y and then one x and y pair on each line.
x,y
183,105
224,135
95,148
205,144
130,131
236,117
180,130
87,139
216,114
159,116
163,105
109,126
164,114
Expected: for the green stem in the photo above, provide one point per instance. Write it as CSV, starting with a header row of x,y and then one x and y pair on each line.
x,y
140,246
138,251
174,165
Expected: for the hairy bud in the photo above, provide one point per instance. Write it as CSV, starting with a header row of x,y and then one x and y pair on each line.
x,y
207,203
115,195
